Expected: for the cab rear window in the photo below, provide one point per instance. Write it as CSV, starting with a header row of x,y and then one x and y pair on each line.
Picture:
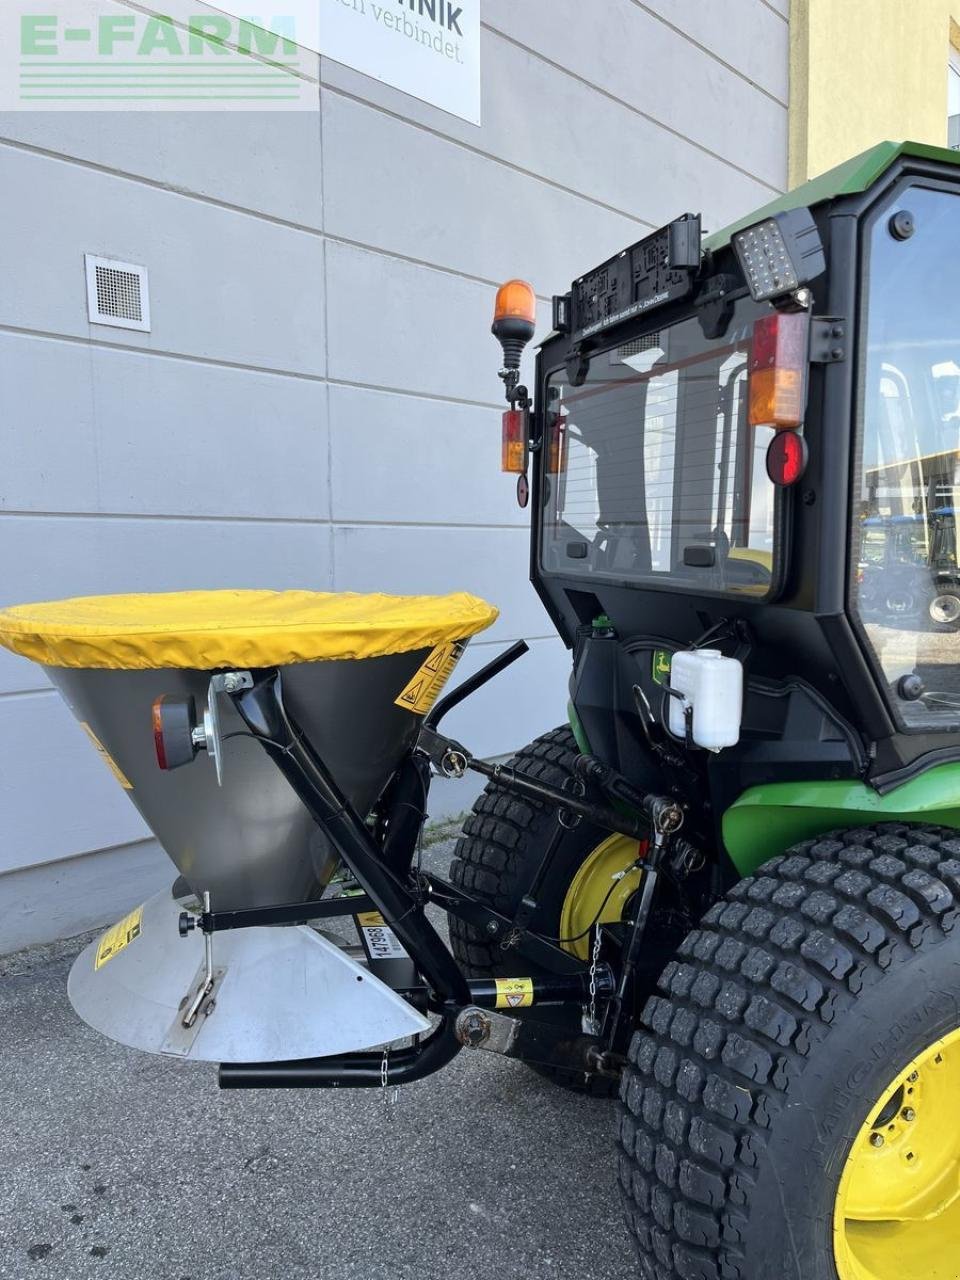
x,y
652,471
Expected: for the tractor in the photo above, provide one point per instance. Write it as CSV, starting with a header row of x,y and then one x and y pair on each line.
x,y
727,891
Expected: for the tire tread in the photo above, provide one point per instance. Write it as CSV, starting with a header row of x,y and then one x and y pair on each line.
x,y
493,855
750,993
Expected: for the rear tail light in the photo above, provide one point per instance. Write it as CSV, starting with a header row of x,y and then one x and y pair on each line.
x,y
778,369
514,450
174,722
556,445
156,712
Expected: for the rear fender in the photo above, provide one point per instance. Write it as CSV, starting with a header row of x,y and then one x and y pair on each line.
x,y
768,819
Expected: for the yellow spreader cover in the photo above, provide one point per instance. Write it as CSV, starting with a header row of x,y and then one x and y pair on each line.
x,y
207,629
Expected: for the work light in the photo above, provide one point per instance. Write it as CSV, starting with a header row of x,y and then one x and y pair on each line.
x,y
780,254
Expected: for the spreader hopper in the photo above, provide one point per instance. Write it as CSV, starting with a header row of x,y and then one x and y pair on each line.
x,y
150,679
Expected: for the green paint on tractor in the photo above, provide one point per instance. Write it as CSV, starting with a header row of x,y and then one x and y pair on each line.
x,y
769,818
847,179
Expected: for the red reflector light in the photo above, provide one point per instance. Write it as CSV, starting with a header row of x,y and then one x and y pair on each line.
x,y
156,712
786,458
514,452
778,368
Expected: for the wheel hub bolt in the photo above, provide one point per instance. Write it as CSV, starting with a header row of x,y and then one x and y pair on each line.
x,y
913,1077
908,1114
876,1139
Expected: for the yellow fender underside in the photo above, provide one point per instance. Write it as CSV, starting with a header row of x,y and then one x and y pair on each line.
x,y
898,1204
209,629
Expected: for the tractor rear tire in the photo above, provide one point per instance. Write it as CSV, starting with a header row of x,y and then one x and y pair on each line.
x,y
755,1079
503,841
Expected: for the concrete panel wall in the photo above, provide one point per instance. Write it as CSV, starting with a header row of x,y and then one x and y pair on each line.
x,y
317,402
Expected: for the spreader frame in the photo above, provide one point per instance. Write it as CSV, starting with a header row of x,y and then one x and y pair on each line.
x,y
401,895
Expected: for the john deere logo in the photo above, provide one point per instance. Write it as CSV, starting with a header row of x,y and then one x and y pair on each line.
x,y
661,665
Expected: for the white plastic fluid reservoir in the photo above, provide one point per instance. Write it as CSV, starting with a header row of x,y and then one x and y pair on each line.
x,y
713,686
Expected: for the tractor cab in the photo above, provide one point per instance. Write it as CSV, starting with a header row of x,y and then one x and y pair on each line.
x,y
750,445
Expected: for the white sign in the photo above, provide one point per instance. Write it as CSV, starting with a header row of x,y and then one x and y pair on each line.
x,y
118,54
427,48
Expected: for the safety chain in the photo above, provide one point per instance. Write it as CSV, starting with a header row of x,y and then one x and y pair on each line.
x,y
591,1025
389,1095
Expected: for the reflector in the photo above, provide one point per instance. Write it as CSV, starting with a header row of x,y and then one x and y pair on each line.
x,y
786,458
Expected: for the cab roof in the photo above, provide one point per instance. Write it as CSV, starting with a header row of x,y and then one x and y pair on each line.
x,y
853,176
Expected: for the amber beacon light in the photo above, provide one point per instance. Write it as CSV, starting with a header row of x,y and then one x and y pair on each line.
x,y
514,320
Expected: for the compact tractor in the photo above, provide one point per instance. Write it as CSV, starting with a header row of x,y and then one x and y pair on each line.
x,y
728,890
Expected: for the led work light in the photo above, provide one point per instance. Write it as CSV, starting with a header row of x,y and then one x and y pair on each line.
x,y
780,254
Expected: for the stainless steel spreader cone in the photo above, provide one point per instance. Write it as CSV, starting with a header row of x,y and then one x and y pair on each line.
x,y
147,676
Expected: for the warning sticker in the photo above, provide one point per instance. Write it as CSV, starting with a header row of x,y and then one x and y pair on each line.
x,y
514,993
107,758
120,936
662,659
422,691
381,942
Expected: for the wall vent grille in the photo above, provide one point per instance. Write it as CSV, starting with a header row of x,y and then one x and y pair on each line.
x,y
117,294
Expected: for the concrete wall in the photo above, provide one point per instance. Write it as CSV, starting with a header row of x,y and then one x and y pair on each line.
x,y
317,403
863,71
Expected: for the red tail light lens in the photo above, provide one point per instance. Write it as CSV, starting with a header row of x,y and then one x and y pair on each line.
x,y
514,450
556,445
778,369
174,720
156,712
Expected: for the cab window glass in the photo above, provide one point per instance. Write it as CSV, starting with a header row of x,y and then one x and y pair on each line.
x,y
906,582
652,473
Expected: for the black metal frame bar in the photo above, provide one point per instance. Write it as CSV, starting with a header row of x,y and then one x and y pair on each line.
x,y
286,913
402,900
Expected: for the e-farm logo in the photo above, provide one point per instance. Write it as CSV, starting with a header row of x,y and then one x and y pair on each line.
x,y
89,56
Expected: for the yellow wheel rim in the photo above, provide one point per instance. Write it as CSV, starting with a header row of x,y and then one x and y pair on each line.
x,y
898,1206
591,885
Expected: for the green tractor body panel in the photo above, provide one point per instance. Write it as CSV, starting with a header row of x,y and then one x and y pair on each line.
x,y
850,178
577,729
768,819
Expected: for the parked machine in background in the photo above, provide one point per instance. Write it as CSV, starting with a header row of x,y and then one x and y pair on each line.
x,y
728,889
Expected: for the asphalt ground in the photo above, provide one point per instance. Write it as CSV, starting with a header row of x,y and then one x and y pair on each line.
x,y
119,1164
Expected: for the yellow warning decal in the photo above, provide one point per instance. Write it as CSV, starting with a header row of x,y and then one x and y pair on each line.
x,y
107,758
382,943
422,691
120,936
370,920
514,993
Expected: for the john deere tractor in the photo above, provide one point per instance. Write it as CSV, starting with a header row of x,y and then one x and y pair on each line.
x,y
728,890
717,431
